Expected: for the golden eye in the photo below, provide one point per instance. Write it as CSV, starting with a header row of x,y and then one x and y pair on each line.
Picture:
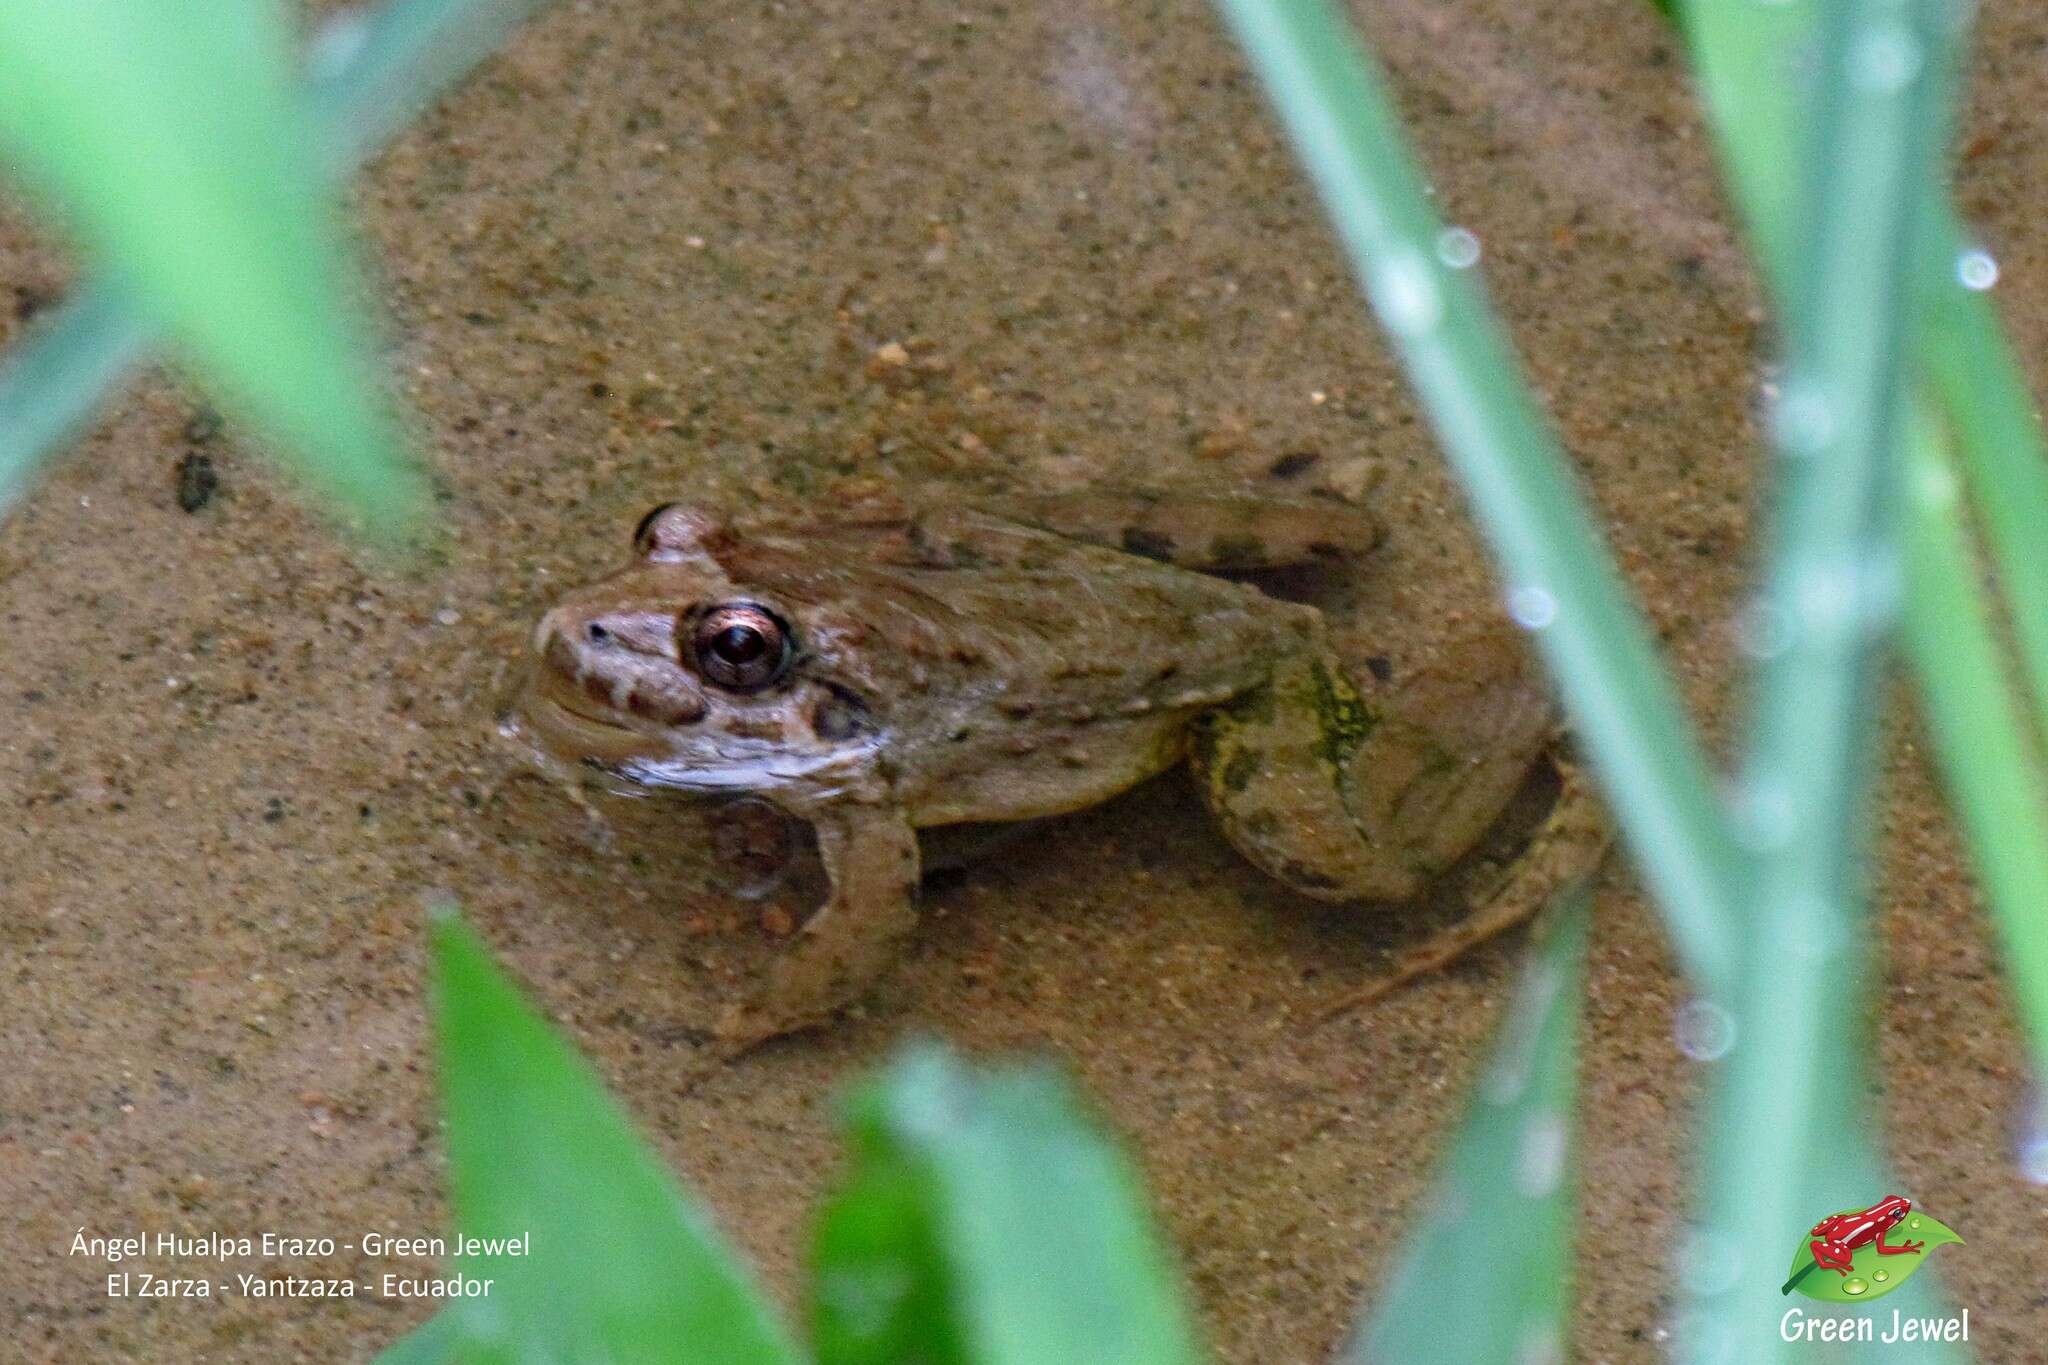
x,y
741,647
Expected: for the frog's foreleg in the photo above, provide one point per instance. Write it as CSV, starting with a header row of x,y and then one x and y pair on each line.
x,y
1902,1249
870,854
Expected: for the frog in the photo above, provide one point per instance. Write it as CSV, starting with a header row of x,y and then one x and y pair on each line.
x,y
1835,1238
876,673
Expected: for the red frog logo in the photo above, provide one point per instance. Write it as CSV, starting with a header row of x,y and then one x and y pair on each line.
x,y
1836,1237
1854,1244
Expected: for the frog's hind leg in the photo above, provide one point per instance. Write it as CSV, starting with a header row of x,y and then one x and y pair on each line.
x,y
1348,795
1567,847
871,856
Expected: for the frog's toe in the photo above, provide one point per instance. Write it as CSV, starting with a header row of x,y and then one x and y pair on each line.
x,y
748,1023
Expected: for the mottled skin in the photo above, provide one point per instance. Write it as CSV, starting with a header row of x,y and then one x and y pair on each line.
x,y
874,675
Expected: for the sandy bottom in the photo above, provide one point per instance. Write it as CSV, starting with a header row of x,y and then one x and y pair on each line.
x,y
651,252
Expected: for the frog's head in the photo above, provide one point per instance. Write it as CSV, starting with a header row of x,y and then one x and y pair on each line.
x,y
669,674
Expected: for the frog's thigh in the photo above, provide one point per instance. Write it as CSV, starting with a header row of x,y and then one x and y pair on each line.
x,y
870,854
1344,799
1453,746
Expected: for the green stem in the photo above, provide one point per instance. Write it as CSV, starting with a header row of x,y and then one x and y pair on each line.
x,y
1979,734
1782,1094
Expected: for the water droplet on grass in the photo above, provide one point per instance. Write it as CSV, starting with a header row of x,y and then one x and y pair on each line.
x,y
1539,1345
1761,630
1703,1030
1976,269
1827,595
2033,1143
1406,292
1802,420
1546,1142
1457,248
1709,1261
1764,817
1886,59
1533,608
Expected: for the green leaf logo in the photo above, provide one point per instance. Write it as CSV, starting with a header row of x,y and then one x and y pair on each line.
x,y
1861,1254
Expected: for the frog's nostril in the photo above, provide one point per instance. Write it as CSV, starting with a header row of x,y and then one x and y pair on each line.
x,y
597,634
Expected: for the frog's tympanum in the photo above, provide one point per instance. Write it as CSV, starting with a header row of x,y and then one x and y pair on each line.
x,y
877,675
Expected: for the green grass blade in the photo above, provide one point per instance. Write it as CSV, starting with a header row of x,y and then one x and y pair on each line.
x,y
1485,1276
169,138
1984,395
373,73
986,1222
620,1263
1980,740
51,385
1331,98
1743,56
1745,59
1789,1086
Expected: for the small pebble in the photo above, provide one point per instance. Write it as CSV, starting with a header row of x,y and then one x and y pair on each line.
x,y
1354,478
196,481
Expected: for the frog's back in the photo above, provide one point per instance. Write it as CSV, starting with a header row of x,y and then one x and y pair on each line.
x,y
982,647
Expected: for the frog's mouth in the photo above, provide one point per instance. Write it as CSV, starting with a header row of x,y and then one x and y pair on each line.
x,y
553,714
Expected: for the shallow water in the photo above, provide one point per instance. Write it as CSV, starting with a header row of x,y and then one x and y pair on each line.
x,y
655,249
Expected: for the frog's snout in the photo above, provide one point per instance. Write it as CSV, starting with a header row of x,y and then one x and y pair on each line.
x,y
623,661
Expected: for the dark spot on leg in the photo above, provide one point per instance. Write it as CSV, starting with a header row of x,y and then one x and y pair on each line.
x,y
1239,772
1151,544
1293,463
1237,552
1305,878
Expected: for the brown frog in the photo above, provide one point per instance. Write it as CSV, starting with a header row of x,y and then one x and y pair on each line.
x,y
877,674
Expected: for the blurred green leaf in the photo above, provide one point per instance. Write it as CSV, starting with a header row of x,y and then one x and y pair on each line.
x,y
50,384
434,1342
1485,1275
620,1264
169,140
986,1221
369,73
1996,785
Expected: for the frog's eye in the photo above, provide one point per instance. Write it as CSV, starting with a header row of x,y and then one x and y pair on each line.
x,y
741,647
